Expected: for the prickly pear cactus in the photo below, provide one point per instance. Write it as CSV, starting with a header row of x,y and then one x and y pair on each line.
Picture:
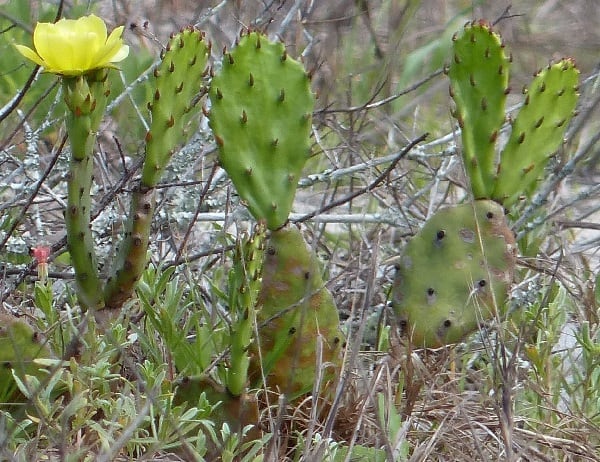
x,y
454,273
479,73
479,85
177,79
538,130
261,108
19,346
296,314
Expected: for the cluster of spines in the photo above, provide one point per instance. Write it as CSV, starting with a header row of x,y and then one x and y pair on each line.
x,y
261,110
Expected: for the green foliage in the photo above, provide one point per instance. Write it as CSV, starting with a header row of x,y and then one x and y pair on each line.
x,y
454,273
261,112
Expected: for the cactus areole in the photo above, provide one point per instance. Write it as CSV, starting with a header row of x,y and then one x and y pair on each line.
x,y
454,274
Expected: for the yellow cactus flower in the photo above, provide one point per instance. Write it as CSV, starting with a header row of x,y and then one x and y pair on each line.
x,y
72,47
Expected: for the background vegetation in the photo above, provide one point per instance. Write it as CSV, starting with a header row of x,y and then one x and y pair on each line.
x,y
527,389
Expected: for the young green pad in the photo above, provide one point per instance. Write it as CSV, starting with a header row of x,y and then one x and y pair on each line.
x,y
261,108
478,84
454,273
538,130
296,312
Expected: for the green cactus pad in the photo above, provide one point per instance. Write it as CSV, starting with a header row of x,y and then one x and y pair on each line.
x,y
538,130
19,346
454,273
295,312
178,79
261,107
478,84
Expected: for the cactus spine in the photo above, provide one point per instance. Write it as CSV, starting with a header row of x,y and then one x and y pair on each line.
x,y
177,81
261,108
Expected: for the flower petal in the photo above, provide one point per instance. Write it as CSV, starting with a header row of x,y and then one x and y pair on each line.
x,y
30,54
114,50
